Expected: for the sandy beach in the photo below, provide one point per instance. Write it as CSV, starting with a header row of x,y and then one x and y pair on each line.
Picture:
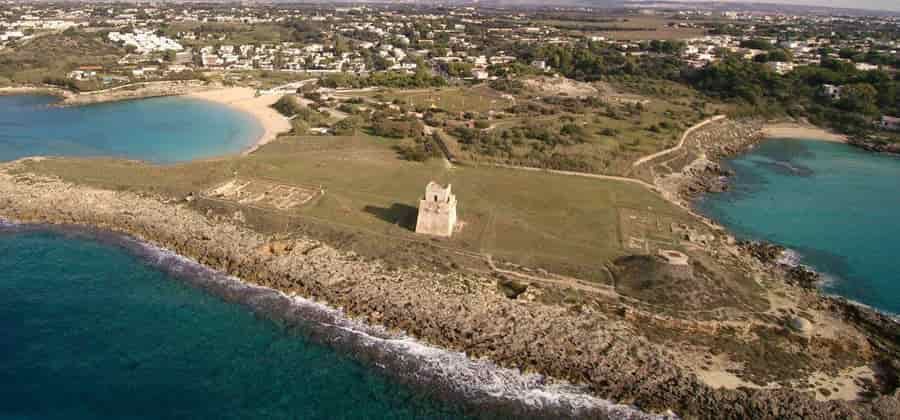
x,y
802,131
245,99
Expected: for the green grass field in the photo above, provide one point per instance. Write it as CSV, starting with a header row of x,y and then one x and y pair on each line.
x,y
564,224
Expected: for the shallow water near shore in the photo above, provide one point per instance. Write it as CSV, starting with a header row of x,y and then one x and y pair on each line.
x,y
159,130
97,325
835,206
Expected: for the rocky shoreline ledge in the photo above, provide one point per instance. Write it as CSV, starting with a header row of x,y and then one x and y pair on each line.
x,y
132,91
874,146
705,175
457,311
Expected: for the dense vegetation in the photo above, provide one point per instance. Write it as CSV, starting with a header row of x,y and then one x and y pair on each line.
x,y
595,60
49,57
419,148
384,126
753,86
864,95
391,79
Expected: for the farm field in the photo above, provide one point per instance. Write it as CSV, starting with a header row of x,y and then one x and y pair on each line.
x,y
632,28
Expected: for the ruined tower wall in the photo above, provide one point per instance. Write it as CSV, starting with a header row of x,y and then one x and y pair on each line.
x,y
437,211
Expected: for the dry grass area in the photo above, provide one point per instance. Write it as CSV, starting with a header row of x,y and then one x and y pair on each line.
x,y
452,99
563,224
629,28
627,124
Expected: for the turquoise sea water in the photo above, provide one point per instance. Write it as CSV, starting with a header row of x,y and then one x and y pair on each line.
x,y
161,130
89,331
836,206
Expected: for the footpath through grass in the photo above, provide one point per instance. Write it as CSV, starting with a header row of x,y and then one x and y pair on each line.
x,y
563,224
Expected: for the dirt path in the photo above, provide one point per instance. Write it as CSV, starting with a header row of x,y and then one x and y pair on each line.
x,y
684,137
581,174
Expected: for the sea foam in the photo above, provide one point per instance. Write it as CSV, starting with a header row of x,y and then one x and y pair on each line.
x,y
474,384
789,257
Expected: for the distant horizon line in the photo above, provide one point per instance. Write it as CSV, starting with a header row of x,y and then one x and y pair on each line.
x,y
751,5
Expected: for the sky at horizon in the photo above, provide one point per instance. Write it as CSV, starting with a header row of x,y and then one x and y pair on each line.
x,y
883,5
888,5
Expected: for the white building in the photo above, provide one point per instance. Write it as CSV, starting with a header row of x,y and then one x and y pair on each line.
x,y
145,41
781,67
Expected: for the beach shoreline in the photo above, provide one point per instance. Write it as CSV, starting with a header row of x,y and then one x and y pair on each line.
x,y
801,131
258,107
242,99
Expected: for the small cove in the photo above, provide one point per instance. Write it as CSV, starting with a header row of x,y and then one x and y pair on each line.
x,y
836,206
158,130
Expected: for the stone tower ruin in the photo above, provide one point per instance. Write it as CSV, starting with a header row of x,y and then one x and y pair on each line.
x,y
437,211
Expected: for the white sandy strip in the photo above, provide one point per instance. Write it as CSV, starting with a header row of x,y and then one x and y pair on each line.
x,y
260,107
802,131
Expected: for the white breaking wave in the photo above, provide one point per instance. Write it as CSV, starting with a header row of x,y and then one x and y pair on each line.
x,y
444,373
789,257
827,280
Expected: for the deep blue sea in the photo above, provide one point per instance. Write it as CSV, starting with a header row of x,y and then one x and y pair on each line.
x,y
161,130
89,331
837,207
98,326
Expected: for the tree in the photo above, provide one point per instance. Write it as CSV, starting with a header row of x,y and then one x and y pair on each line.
x,y
459,69
778,55
288,105
348,126
859,97
757,44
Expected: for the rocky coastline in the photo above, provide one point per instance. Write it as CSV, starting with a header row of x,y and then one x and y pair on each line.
x,y
140,90
457,311
36,90
131,91
875,146
706,175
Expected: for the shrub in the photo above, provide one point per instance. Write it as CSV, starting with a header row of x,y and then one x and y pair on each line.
x,y
419,149
396,128
288,105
